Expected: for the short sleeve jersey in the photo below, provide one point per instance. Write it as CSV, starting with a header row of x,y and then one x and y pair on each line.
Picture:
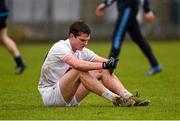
x,y
54,67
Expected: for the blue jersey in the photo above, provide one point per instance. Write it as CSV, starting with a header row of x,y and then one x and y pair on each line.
x,y
134,4
3,8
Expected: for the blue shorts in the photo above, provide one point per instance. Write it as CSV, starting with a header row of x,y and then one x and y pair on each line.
x,y
3,23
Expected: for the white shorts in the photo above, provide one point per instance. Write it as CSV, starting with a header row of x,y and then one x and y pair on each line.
x,y
52,96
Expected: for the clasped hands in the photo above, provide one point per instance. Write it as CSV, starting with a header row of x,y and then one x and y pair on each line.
x,y
111,64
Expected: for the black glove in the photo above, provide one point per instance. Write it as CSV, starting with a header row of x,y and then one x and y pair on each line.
x,y
110,64
114,67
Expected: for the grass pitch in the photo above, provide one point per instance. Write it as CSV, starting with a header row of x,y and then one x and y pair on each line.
x,y
20,99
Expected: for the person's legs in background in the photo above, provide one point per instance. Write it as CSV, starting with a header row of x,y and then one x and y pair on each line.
x,y
138,38
119,32
12,48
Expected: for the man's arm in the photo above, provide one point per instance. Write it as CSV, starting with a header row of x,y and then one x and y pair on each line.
x,y
81,64
87,65
101,7
99,59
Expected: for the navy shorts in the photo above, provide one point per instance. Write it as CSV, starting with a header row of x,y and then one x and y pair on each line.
x,y
3,23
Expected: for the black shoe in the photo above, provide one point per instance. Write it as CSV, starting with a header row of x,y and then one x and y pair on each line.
x,y
122,102
139,101
20,69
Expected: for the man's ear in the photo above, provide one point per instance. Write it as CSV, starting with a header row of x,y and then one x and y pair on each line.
x,y
71,35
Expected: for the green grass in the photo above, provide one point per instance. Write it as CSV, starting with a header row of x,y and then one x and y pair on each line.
x,y
20,99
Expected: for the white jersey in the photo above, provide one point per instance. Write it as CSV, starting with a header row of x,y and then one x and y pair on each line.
x,y
54,67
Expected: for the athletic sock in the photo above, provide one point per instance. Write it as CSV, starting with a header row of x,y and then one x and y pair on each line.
x,y
19,61
126,94
73,102
109,95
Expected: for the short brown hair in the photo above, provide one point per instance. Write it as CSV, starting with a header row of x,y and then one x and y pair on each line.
x,y
79,26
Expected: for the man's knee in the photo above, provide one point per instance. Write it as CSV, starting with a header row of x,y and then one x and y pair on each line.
x,y
72,73
72,70
83,75
105,73
98,74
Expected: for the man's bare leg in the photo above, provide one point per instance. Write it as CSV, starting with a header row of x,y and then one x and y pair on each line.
x,y
110,81
82,92
12,48
70,83
9,43
114,84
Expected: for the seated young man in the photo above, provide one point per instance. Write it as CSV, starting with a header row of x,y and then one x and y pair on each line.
x,y
70,71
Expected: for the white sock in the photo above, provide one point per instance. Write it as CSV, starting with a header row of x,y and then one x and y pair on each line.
x,y
73,102
109,95
126,94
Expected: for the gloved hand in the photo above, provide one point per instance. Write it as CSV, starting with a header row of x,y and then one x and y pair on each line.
x,y
110,64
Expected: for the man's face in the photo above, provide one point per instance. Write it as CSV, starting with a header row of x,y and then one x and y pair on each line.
x,y
80,41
